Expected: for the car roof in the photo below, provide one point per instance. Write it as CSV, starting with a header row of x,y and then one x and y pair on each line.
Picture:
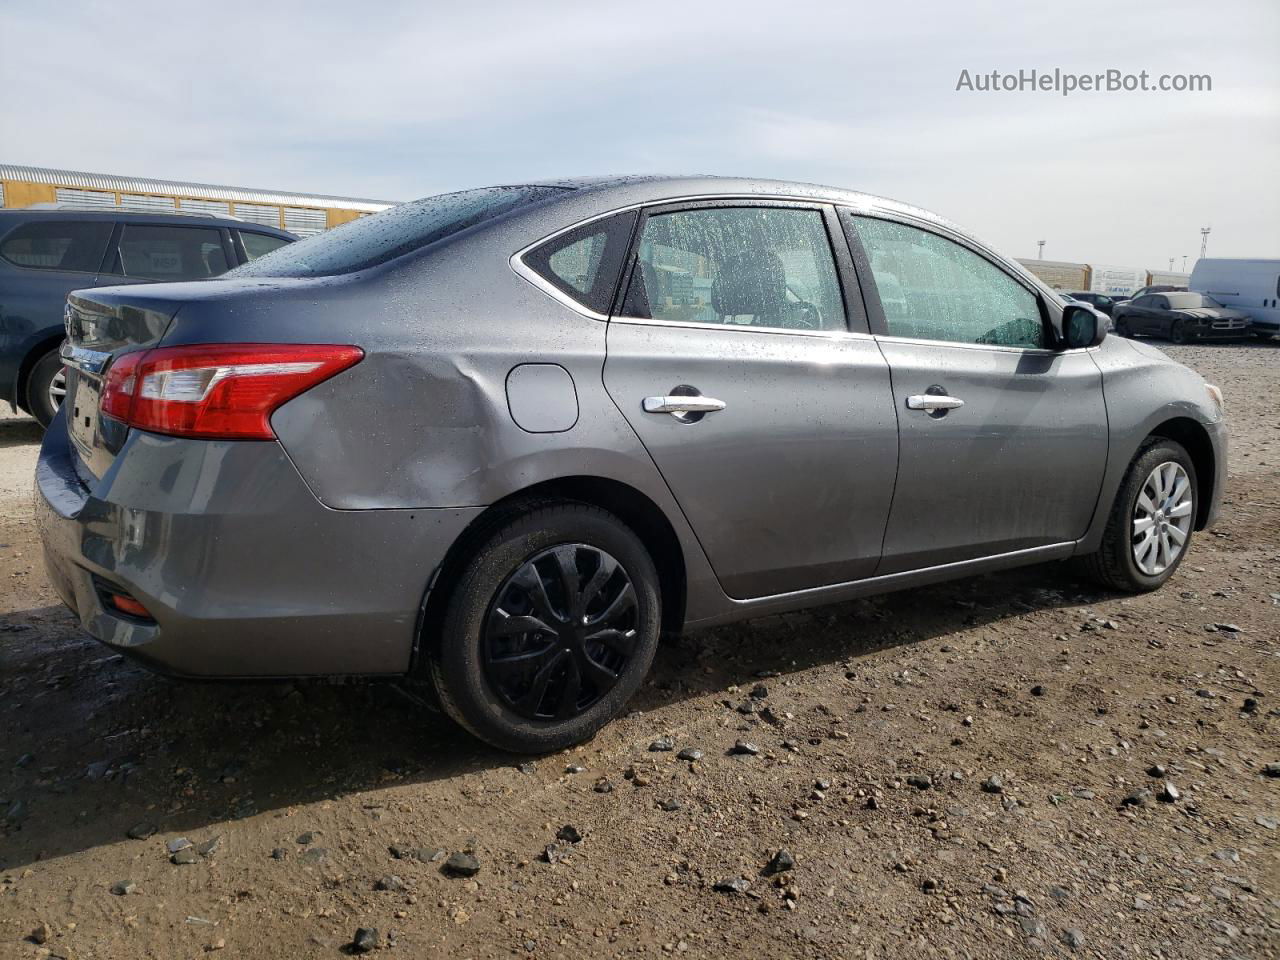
x,y
14,214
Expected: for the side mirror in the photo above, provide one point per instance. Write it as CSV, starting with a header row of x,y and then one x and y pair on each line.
x,y
1081,327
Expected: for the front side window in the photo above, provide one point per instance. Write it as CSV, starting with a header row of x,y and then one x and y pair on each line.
x,y
934,289
57,244
749,266
163,252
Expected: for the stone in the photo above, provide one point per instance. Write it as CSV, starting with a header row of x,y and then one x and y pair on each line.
x,y
993,784
920,782
184,857
315,855
1039,690
123,888
365,940
176,844
575,768
389,882
209,847
1136,798
1271,770
1073,938
141,831
745,748
41,934
1156,770
1169,793
780,862
307,838
737,885
569,834
279,853
662,745
461,865
691,754
669,806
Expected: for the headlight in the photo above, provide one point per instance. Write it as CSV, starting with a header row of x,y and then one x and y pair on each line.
x,y
1215,397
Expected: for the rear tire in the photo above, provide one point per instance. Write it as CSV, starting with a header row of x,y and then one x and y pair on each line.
x,y
46,386
585,590
1178,332
1116,563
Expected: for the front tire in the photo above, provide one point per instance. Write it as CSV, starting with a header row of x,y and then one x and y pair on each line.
x,y
1122,328
46,387
549,630
1150,526
1178,332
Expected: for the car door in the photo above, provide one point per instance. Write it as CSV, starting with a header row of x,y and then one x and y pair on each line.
x,y
762,400
1146,318
1002,441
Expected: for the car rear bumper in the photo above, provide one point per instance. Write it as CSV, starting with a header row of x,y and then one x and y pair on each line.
x,y
245,573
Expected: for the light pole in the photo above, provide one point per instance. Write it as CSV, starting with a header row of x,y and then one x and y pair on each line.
x,y
1040,251
1184,263
1171,264
1204,240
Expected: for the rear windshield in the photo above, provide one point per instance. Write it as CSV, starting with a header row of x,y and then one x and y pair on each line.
x,y
1189,301
384,236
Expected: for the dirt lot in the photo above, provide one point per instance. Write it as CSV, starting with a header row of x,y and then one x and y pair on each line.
x,y
315,810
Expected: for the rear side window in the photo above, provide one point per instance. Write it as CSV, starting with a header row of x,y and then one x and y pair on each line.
x,y
934,289
584,263
57,244
259,244
742,266
163,252
369,241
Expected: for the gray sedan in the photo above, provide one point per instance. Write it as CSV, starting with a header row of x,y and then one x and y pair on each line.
x,y
503,439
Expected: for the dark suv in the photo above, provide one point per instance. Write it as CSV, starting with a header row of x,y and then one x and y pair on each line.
x,y
45,254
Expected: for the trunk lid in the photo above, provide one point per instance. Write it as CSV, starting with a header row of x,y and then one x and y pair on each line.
x,y
102,324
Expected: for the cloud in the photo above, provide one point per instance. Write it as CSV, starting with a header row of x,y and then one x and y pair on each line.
x,y
399,100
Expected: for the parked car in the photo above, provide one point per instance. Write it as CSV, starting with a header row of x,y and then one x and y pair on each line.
x,y
1156,288
45,254
1104,302
1179,317
1251,286
503,439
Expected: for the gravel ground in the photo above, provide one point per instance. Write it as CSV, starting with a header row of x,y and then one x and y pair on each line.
x,y
1011,765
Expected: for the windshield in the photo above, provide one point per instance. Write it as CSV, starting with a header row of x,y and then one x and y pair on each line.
x,y
392,233
1190,301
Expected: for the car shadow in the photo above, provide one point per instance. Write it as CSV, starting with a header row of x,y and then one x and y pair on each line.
x,y
95,744
19,431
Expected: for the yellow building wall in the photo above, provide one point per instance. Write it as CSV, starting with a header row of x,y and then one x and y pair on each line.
x,y
19,193
334,218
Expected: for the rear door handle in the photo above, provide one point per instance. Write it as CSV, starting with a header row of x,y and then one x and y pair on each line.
x,y
679,404
931,402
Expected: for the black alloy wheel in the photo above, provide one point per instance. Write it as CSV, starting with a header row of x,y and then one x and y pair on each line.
x,y
560,632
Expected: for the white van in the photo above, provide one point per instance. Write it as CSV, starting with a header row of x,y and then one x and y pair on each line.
x,y
1252,286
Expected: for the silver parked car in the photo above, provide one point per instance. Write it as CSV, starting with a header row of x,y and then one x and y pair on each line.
x,y
505,438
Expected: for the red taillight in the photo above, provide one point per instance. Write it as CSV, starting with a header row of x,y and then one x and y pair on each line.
x,y
223,391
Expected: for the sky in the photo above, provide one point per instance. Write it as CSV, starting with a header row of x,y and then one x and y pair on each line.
x,y
400,100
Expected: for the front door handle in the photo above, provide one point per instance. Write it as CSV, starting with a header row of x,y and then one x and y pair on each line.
x,y
682,404
932,402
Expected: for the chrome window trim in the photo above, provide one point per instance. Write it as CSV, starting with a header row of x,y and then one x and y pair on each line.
x,y
526,272
742,328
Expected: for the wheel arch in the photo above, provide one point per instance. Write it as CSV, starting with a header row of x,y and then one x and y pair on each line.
x,y
644,517
29,360
1193,438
